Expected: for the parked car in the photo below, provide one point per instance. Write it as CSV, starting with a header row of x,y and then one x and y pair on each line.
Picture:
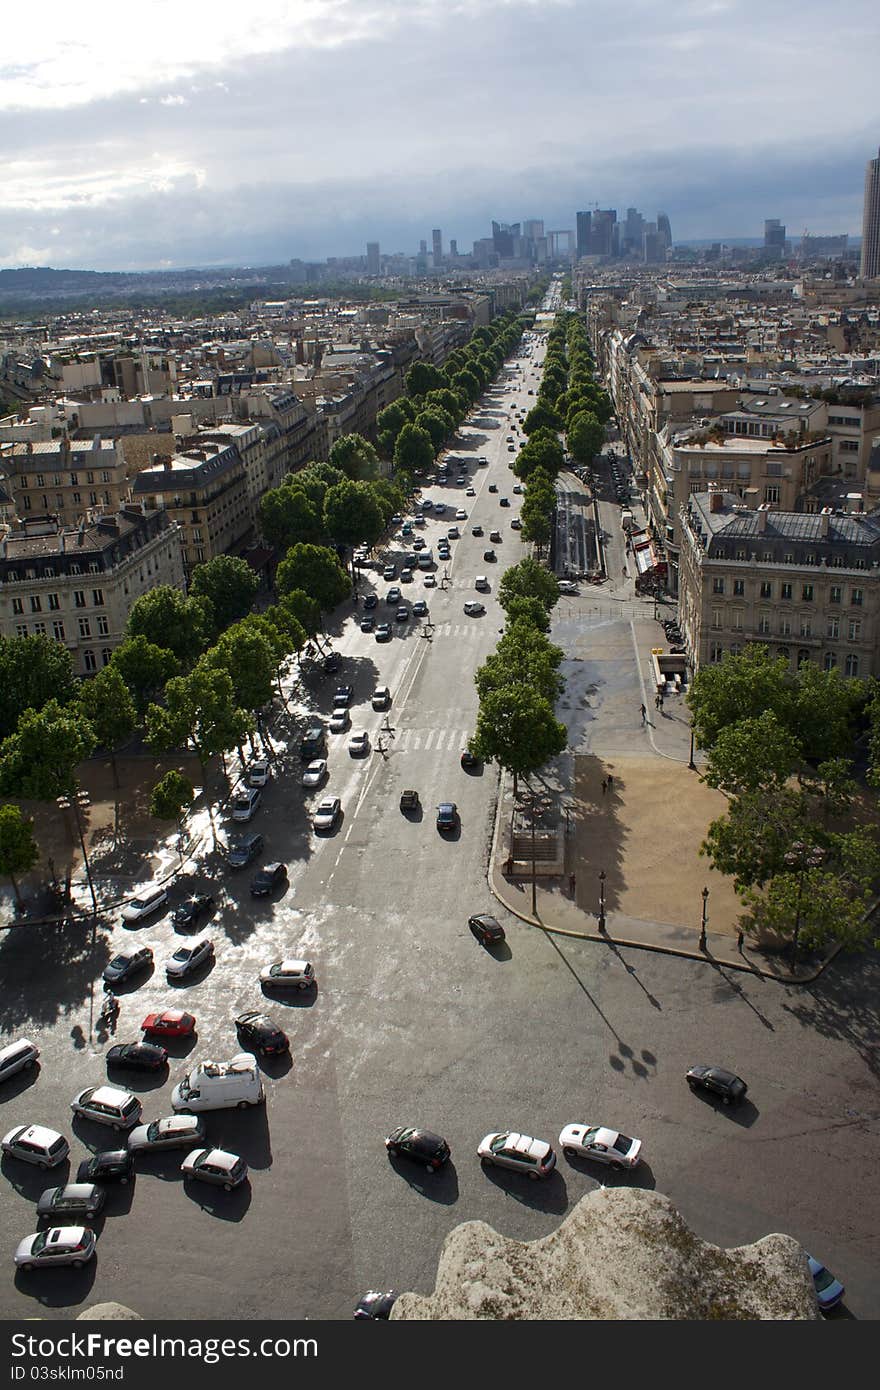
x,y
717,1081
144,905
60,1245
170,1023
289,974
268,879
327,814
243,850
36,1144
829,1290
447,817
601,1145
137,1056
107,1105
246,804
17,1056
376,1305
486,929
83,1199
522,1153
220,1086
111,1165
189,958
259,773
421,1145
216,1166
127,962
259,1031
174,1132
189,912
567,586
316,772
474,610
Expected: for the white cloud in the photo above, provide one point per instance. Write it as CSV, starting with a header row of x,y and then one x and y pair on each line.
x,y
174,100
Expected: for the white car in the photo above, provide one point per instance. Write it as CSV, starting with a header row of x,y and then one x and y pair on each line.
x,y
216,1166
259,773
316,771
327,814
381,697
339,721
17,1056
144,905
461,514
522,1153
600,1144
36,1144
359,744
430,581
474,610
107,1105
189,957
174,1132
289,974
60,1245
246,804
567,586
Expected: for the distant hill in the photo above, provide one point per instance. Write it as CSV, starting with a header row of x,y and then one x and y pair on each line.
x,y
44,281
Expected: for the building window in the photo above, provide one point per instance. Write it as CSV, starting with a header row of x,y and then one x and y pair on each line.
x,y
830,661
17,607
716,618
98,598
832,627
785,627
74,480
807,593
79,598
803,656
735,649
89,661
105,655
836,594
771,494
740,555
855,629
39,630
766,589
36,605
739,588
785,591
58,632
103,626
40,482
27,503
806,627
93,499
105,477
21,630
77,498
784,653
764,624
54,603
857,597
849,446
736,621
90,477
85,627
717,586
716,651
852,665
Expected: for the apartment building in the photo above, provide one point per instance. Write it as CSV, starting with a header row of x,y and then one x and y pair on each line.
x,y
64,479
77,584
204,489
806,586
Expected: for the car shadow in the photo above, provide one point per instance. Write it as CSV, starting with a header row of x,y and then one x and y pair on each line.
x,y
276,1066
164,1164
225,1206
122,988
62,1287
544,1194
137,1081
291,998
417,815
177,1048
501,952
96,1136
641,1177
151,921
473,771
242,1132
450,836
745,1114
120,1196
439,1186
30,1181
20,1082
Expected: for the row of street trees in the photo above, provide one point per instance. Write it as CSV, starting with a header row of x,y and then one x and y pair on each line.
x,y
780,746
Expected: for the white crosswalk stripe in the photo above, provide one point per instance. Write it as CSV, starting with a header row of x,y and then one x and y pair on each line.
x,y
421,740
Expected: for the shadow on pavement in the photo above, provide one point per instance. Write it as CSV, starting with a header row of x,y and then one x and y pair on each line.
x,y
544,1194
62,1287
225,1206
440,1187
242,1132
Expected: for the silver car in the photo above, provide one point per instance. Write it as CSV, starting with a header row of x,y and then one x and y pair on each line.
x,y
144,905
189,958
74,1199
174,1132
520,1152
60,1245
217,1166
36,1144
17,1057
107,1105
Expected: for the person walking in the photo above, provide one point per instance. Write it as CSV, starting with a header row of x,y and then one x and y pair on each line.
x,y
610,781
571,885
644,713
657,701
604,785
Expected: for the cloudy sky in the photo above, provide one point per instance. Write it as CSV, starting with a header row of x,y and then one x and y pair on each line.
x,y
195,132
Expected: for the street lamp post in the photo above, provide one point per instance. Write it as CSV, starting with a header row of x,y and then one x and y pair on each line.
x,y
703,921
602,901
76,802
691,764
801,856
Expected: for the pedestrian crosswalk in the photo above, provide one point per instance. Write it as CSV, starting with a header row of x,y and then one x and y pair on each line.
x,y
453,629
429,740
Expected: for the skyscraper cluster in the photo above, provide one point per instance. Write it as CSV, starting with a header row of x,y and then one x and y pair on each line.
x,y
599,233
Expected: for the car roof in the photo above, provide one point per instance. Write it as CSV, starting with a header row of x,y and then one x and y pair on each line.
x,y
34,1134
78,1189
294,966
109,1095
526,1145
221,1158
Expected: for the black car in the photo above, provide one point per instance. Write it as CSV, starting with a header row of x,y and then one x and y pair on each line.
x,y
469,760
189,912
420,1145
331,663
376,1305
504,502
370,601
447,816
83,1200
244,850
489,555
485,928
113,1165
138,1056
717,1082
270,877
367,624
260,1032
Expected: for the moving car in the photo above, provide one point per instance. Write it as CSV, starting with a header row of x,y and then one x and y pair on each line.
x,y
170,1023
511,449
126,963
376,1305
74,1199
331,663
453,534
600,1144
343,696
393,595
267,879
367,625
144,905
174,1132
420,609
476,530
567,586
493,487
468,760
515,524
381,697
246,804
421,1145
461,515
189,958
107,1105
259,1031
474,610
316,772
17,1056
243,850
370,602
327,814
36,1144
504,501
517,488
490,556
471,492
111,1165
829,1291
521,1152
409,801
717,1081
389,572
216,1166
313,742
481,584
138,1056
430,581
259,773
447,816
486,929
60,1245
359,744
495,537
189,912
406,575
339,721
289,974
383,632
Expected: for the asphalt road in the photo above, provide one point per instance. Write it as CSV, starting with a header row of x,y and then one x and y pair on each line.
x,y
414,1023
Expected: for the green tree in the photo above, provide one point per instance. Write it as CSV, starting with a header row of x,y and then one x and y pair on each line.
x,y
523,657
541,416
145,668
739,687
438,424
316,570
353,515
467,384
33,670
521,609
167,618
18,848
248,656
448,400
39,761
585,437
543,451
301,608
414,451
752,755
289,515
536,522
814,908
528,579
230,586
200,713
823,710
171,799
423,377
355,457
390,421
389,496
751,841
516,727
110,710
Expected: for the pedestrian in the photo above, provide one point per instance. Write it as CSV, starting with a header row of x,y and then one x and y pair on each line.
x,y
571,883
604,785
644,713
624,572
657,701
610,781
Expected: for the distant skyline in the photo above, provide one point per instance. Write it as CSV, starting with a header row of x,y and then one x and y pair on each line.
x,y
181,135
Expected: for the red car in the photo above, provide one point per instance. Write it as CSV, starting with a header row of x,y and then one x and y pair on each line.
x,y
173,1023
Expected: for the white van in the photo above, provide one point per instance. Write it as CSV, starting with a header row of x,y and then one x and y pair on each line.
x,y
219,1085
17,1056
426,559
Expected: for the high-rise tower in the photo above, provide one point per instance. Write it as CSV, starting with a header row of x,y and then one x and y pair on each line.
x,y
871,222
437,247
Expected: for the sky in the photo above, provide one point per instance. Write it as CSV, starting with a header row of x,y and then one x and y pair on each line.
x,y
202,132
